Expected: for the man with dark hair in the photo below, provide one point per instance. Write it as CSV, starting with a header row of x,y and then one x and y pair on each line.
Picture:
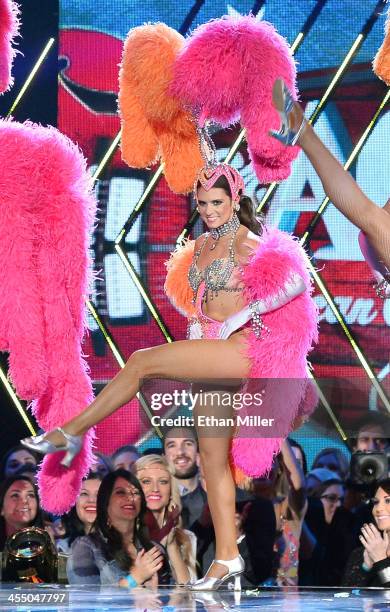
x,y
372,433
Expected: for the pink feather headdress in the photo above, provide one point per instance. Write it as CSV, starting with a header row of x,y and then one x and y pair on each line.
x,y
225,72
9,26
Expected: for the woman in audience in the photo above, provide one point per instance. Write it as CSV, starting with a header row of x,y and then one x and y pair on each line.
x,y
369,564
117,550
286,488
163,519
124,457
79,520
329,526
19,506
14,459
332,459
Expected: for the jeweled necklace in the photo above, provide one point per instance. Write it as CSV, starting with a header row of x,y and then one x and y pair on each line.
x,y
226,228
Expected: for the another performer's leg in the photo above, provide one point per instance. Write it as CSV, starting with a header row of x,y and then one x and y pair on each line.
x,y
338,184
347,196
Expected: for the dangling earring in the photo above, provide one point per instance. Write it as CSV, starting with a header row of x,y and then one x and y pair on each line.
x,y
197,208
237,206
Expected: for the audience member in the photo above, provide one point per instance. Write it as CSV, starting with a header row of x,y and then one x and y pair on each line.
x,y
163,519
332,459
117,550
16,458
330,527
181,451
315,479
102,464
299,453
79,520
369,564
124,457
19,506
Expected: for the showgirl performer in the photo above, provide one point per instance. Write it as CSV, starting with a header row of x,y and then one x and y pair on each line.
x,y
339,186
236,280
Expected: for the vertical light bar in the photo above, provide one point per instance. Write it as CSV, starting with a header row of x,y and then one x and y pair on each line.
x,y
16,401
32,74
120,360
148,301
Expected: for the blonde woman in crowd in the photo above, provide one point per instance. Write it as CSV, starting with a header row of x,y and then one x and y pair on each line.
x,y
163,515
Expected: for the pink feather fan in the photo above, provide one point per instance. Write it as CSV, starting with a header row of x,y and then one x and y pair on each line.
x,y
226,71
46,214
9,25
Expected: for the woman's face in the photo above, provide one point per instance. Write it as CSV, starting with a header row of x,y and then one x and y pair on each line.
x,y
86,501
156,485
215,206
125,460
20,505
381,509
16,460
330,462
331,499
125,502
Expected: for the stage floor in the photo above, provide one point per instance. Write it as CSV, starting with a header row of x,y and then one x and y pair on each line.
x,y
61,598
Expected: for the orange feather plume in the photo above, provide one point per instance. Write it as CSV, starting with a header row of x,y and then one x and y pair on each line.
x,y
155,125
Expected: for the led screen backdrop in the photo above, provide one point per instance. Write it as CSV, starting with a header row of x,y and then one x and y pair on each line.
x,y
92,35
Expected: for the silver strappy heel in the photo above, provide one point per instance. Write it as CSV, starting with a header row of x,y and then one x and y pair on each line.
x,y
235,568
284,104
72,446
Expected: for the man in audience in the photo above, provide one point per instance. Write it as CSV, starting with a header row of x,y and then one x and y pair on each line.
x,y
181,451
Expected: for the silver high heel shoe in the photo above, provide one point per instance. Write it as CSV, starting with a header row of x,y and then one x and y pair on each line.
x,y
72,446
235,568
284,104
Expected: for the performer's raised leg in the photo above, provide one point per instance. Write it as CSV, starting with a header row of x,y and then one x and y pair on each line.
x,y
338,184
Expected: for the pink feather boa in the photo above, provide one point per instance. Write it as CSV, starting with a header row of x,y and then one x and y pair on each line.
x,y
45,216
279,358
9,26
226,71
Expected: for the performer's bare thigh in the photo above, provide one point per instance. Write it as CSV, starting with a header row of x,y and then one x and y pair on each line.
x,y
197,359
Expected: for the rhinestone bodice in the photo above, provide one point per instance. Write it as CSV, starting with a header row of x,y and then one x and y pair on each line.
x,y
216,275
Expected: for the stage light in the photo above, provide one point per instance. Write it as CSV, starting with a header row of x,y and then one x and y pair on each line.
x,y
147,299
16,402
31,76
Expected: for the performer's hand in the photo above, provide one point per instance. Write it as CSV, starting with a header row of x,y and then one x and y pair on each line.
x,y
374,543
234,322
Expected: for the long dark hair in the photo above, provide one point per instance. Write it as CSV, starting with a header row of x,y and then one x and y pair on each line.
x,y
108,538
74,528
5,485
246,214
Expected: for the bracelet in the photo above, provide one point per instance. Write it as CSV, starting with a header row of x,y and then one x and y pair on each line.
x,y
131,581
257,323
381,288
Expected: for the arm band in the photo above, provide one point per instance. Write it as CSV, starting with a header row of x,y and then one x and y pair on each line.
x,y
131,581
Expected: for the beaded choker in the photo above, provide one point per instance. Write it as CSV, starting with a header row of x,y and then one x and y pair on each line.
x,y
226,228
